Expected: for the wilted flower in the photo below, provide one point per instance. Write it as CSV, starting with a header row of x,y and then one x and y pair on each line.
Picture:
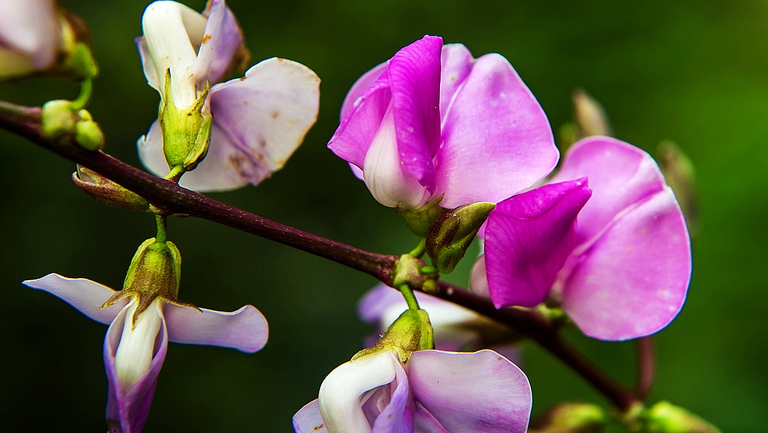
x,y
136,341
619,262
254,123
433,121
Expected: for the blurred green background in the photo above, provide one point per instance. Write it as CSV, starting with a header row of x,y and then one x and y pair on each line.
x,y
693,72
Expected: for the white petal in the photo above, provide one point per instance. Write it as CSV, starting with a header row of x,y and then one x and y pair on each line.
x,y
85,295
137,342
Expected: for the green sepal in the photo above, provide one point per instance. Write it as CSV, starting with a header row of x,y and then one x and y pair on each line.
x,y
411,331
186,131
450,236
419,220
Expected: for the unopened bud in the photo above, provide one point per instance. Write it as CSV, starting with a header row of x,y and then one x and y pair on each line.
x,y
419,220
58,118
665,417
589,115
105,191
87,132
449,237
570,418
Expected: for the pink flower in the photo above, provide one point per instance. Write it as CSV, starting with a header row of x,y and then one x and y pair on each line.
x,y
434,121
135,345
30,36
619,262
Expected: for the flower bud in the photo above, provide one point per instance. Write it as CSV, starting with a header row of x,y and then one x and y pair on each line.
x,y
58,118
186,131
589,115
449,237
570,418
87,132
105,191
680,174
665,417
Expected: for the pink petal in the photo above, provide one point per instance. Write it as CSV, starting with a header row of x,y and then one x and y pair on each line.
x,y
127,410
471,392
308,419
396,416
245,329
496,137
360,88
414,74
31,28
258,122
85,295
619,175
528,239
457,64
221,41
632,281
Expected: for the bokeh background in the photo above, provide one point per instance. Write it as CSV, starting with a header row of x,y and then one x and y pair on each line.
x,y
693,72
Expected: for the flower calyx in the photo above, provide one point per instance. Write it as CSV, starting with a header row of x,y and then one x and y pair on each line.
x,y
452,234
410,332
421,219
413,272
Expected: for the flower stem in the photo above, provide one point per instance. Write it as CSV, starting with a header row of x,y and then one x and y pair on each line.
x,y
86,86
410,298
162,234
646,368
418,252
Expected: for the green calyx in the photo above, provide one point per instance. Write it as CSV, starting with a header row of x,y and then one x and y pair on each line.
x,y
419,220
186,131
411,331
450,236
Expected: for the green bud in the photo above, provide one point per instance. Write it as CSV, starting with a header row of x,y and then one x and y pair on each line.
x,y
410,332
570,418
665,417
419,220
681,177
88,133
105,191
450,236
589,115
186,131
155,271
58,118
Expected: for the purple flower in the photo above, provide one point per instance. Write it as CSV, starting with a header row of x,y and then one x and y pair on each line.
x,y
258,121
433,391
135,345
434,121
619,262
30,36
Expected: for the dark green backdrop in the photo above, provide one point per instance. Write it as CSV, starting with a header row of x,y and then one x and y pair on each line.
x,y
694,72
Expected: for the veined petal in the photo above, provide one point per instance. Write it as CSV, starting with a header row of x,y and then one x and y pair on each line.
x,y
127,409
31,29
339,397
85,295
496,138
245,329
414,75
360,88
632,280
528,239
221,47
258,122
457,62
620,175
471,392
309,420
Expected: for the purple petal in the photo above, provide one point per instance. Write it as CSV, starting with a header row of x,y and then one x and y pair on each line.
x,y
457,63
632,280
85,295
127,410
414,74
308,419
396,416
496,137
355,133
221,42
258,122
471,392
528,239
245,329
360,88
619,175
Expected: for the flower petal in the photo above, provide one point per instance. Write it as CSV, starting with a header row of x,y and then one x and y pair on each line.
x,y
471,392
632,281
620,175
496,138
150,148
360,88
258,122
457,64
31,28
85,295
414,74
528,239
127,409
245,329
396,416
220,46
309,420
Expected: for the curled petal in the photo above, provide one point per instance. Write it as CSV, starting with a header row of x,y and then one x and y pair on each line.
x,y
632,280
128,408
620,175
221,47
360,89
396,417
85,295
496,137
528,239
309,420
470,392
245,329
